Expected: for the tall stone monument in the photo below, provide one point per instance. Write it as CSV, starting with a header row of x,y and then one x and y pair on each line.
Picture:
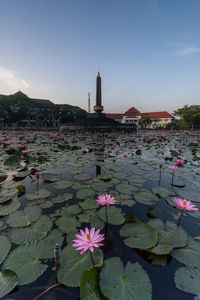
x,y
98,108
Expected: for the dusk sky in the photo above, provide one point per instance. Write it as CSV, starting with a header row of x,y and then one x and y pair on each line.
x,y
147,51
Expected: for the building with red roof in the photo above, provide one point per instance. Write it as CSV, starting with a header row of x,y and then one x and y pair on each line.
x,y
132,115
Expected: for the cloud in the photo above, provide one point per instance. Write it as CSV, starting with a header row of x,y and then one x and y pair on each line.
x,y
188,51
11,82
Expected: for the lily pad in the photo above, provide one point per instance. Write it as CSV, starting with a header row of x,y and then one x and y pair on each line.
x,y
5,246
8,281
189,255
125,188
83,177
62,198
85,193
12,161
140,236
74,264
62,184
41,194
89,285
25,264
24,218
145,197
9,206
35,231
67,223
129,287
115,216
187,280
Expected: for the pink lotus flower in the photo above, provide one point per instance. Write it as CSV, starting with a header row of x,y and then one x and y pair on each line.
x,y
140,147
105,200
88,240
173,168
125,155
37,175
180,162
184,204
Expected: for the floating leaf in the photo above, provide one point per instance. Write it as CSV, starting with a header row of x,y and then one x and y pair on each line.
x,y
145,197
164,193
67,223
164,245
41,194
74,264
8,281
12,161
96,222
131,282
62,184
35,231
25,263
140,236
5,246
24,218
115,216
8,207
88,204
83,177
85,193
51,177
125,188
62,198
89,285
187,280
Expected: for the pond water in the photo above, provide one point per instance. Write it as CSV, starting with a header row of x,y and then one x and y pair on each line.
x,y
74,170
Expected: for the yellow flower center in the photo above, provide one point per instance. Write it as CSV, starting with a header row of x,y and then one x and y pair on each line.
x,y
106,198
88,237
184,202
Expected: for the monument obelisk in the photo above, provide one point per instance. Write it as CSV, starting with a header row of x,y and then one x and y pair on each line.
x,y
98,108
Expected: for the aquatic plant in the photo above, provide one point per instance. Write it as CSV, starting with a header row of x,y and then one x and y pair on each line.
x,y
184,205
106,200
88,240
173,168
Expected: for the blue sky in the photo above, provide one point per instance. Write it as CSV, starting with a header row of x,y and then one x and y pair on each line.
x,y
147,51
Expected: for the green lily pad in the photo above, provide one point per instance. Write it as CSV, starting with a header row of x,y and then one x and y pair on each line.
x,y
85,193
12,161
5,246
189,255
74,264
88,204
8,281
41,194
67,223
125,188
25,263
164,245
83,177
84,217
129,287
115,216
62,198
187,280
145,197
62,184
35,231
24,218
72,209
162,192
9,206
96,222
140,236
51,177
89,285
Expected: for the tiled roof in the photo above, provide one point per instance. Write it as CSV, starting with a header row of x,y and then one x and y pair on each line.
x,y
132,112
115,116
157,115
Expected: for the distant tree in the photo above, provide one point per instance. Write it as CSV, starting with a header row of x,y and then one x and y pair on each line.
x,y
190,116
145,121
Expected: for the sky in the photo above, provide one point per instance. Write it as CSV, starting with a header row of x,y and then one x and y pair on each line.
x,y
147,52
